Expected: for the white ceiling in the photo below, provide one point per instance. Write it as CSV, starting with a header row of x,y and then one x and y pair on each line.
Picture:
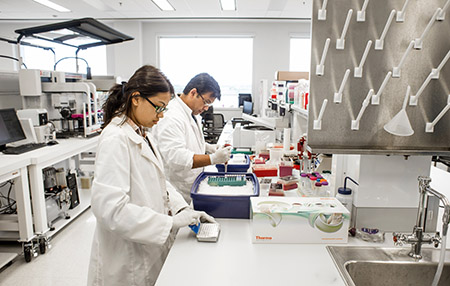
x,y
145,9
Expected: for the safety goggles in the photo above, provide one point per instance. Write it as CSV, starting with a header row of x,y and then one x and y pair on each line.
x,y
158,109
204,101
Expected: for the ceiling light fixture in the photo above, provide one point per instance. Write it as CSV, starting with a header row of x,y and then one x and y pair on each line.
x,y
52,5
228,5
163,5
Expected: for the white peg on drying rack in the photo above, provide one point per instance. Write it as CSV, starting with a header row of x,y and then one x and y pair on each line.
x,y
396,70
419,41
437,70
434,74
322,13
318,122
320,66
355,123
441,15
401,14
376,97
414,98
379,43
359,69
338,95
361,15
340,43
429,126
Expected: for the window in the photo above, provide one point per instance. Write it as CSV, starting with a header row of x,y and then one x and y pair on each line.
x,y
228,60
300,54
36,58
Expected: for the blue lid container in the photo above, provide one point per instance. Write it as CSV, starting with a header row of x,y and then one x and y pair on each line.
x,y
223,206
235,167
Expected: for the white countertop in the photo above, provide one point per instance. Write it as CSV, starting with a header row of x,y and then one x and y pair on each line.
x,y
235,260
65,149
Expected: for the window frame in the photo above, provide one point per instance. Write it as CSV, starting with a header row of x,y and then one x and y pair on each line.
x,y
217,104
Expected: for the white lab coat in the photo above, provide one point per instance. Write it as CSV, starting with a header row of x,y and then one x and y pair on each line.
x,y
130,202
179,138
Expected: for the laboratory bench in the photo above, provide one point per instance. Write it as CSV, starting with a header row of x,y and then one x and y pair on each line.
x,y
235,260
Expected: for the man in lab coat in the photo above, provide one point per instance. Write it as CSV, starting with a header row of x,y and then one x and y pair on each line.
x,y
180,134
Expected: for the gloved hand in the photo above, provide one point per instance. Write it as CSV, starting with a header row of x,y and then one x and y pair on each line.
x,y
211,148
185,217
204,217
221,156
189,216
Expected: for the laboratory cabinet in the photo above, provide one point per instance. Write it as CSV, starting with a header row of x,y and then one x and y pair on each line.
x,y
35,227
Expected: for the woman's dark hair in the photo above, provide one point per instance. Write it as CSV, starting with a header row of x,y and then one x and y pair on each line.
x,y
147,80
204,83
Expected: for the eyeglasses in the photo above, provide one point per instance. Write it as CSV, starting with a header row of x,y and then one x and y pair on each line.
x,y
158,109
205,102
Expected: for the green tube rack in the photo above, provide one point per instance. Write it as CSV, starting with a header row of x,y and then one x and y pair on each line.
x,y
233,180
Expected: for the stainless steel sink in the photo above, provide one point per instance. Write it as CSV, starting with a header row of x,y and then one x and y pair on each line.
x,y
369,266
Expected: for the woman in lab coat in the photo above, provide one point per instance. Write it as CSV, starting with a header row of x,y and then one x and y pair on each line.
x,y
137,210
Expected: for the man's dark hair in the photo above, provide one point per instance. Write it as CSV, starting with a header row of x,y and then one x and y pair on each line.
x,y
204,83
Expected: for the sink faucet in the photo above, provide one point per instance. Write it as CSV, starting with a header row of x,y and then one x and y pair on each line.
x,y
418,237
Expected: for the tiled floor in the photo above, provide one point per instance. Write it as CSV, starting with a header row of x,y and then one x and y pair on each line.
x,y
66,263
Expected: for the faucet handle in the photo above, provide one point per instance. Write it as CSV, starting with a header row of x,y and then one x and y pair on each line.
x,y
398,238
424,180
436,239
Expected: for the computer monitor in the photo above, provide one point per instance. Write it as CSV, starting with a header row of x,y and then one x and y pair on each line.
x,y
248,107
10,128
244,97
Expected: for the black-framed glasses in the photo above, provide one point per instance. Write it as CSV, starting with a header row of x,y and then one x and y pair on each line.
x,y
158,109
204,101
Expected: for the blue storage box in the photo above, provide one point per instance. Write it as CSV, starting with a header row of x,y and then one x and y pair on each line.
x,y
223,206
235,167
